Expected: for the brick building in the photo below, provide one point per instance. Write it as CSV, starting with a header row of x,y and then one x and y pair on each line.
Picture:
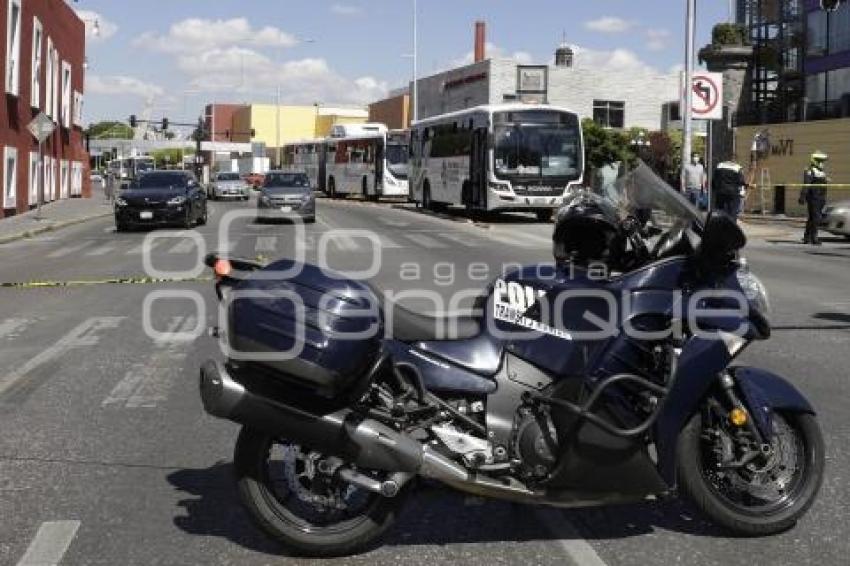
x,y
393,111
42,52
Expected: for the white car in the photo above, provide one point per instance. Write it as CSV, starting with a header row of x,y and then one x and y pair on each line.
x,y
229,185
836,218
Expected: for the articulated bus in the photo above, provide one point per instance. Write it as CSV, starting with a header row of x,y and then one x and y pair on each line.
x,y
307,156
506,157
371,162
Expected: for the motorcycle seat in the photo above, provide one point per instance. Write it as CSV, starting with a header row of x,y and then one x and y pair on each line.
x,y
409,326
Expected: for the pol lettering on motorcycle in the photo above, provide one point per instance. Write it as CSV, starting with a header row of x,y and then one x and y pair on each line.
x,y
511,301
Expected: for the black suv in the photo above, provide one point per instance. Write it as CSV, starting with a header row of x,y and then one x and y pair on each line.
x,y
160,198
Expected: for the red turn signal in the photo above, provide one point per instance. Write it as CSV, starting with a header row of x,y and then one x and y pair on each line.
x,y
222,268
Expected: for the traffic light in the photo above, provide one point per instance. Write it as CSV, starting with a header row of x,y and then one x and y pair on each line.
x,y
830,5
164,124
133,121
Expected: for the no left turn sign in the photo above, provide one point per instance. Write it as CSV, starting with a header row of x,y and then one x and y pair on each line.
x,y
707,96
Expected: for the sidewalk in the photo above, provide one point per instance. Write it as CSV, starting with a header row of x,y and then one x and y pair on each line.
x,y
54,216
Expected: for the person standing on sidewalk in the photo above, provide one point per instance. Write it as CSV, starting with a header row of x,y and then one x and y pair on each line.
x,y
813,195
694,180
726,185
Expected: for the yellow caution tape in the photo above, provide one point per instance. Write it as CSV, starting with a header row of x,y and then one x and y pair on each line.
x,y
111,281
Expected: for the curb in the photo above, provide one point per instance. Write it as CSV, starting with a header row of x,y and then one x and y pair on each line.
x,y
50,228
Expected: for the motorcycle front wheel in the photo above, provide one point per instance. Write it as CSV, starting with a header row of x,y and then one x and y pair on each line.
x,y
766,496
293,496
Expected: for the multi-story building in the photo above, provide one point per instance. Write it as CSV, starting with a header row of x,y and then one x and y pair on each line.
x,y
42,52
393,111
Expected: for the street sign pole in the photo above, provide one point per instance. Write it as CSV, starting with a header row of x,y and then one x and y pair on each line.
x,y
687,130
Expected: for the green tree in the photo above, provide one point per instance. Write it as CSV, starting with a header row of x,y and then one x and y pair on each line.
x,y
111,130
169,157
604,145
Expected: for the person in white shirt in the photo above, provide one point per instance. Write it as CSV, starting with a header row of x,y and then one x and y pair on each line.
x,y
694,181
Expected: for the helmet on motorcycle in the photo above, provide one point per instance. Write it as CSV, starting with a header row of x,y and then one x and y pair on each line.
x,y
588,230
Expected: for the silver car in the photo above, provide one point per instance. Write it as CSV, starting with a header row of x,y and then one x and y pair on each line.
x,y
286,196
836,218
229,186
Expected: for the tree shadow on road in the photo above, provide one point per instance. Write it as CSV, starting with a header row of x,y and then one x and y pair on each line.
x,y
432,516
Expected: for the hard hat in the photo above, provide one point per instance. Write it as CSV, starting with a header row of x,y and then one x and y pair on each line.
x,y
819,156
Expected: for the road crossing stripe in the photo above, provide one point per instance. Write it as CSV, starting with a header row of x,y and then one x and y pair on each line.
x,y
84,334
10,327
425,241
137,250
50,543
184,246
344,243
102,250
388,244
67,250
462,239
394,222
578,549
266,244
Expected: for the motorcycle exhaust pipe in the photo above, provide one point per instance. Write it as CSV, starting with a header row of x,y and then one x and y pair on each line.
x,y
364,442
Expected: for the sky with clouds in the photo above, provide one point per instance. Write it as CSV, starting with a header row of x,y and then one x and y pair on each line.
x,y
177,55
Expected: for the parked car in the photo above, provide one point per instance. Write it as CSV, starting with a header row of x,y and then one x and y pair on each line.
x,y
255,180
286,195
229,185
836,218
161,198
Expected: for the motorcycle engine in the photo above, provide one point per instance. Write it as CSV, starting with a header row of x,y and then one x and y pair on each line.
x,y
535,443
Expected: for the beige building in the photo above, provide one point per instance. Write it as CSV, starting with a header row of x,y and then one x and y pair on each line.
x,y
791,146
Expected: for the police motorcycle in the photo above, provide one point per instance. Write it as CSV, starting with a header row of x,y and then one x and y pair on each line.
x,y
603,378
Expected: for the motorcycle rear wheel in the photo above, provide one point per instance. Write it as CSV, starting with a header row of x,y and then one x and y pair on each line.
x,y
760,508
326,519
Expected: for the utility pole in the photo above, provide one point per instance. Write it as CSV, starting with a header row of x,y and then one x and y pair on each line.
x,y
415,100
687,116
277,127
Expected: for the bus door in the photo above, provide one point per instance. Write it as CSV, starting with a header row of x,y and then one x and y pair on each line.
x,y
379,165
478,169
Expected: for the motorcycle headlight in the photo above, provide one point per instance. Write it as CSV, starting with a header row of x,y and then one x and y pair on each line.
x,y
755,291
177,201
120,202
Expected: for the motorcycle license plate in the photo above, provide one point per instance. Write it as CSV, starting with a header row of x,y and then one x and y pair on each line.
x,y
146,215
286,209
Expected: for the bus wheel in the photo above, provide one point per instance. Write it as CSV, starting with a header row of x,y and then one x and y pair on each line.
x,y
544,215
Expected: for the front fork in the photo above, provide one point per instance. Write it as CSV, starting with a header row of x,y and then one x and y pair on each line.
x,y
743,416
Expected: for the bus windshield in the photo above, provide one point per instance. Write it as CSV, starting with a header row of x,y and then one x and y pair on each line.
x,y
537,145
397,155
144,165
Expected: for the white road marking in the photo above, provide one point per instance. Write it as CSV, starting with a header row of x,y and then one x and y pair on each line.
x,y
344,243
184,246
84,334
394,222
425,241
67,250
137,250
102,250
147,383
50,543
462,239
266,244
388,244
12,327
569,539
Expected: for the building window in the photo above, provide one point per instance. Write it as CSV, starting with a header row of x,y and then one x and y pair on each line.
x,y
33,178
37,45
65,179
609,113
55,82
10,176
13,47
839,29
49,180
66,94
48,80
76,179
78,109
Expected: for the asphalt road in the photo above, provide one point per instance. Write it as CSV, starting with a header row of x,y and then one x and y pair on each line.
x,y
106,456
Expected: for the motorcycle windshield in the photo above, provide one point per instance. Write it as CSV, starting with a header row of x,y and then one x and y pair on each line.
x,y
642,194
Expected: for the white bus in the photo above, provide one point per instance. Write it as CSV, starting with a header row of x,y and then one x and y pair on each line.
x,y
371,162
505,157
307,156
